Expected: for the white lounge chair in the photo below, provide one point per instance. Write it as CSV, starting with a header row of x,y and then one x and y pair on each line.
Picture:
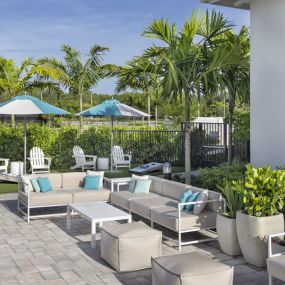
x,y
39,163
4,165
119,158
82,160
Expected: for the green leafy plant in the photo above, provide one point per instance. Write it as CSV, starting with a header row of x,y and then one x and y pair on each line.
x,y
234,200
263,191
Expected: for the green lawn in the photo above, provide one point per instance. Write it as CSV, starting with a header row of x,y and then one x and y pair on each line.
x,y
12,187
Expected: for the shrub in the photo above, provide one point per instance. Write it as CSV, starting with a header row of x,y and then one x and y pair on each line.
x,y
215,177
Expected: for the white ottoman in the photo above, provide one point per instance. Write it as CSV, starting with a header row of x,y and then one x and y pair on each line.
x,y
129,247
191,268
103,163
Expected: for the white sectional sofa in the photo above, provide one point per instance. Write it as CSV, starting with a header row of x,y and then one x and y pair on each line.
x,y
162,206
67,188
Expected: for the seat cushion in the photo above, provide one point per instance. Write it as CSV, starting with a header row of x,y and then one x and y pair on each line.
x,y
190,268
173,189
52,198
122,199
168,217
143,206
275,267
73,179
91,196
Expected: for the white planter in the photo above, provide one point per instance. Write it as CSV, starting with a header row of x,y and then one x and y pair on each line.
x,y
227,235
251,230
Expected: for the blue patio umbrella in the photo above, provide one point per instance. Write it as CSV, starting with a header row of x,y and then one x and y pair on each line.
x,y
113,108
26,105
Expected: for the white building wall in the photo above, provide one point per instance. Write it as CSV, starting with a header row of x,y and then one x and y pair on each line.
x,y
267,82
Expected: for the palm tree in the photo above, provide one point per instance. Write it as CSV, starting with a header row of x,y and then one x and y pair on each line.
x,y
85,72
15,79
235,79
139,75
187,60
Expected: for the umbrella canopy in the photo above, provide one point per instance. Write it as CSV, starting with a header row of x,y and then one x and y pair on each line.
x,y
26,105
112,108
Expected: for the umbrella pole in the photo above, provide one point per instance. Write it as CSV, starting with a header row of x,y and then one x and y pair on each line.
x,y
25,146
112,141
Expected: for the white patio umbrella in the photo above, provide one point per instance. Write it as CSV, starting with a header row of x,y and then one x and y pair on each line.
x,y
113,108
26,105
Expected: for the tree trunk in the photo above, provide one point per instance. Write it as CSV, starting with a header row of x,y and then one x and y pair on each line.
x,y
230,134
187,141
81,109
148,109
156,119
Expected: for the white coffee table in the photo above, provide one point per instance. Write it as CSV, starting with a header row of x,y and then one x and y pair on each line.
x,y
118,182
96,213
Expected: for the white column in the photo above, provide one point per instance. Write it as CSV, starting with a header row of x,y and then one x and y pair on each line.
x,y
267,82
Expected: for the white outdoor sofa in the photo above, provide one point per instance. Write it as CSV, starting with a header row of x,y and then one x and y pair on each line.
x,y
162,206
67,188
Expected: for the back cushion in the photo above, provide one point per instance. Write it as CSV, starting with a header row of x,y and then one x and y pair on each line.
x,y
216,206
54,178
156,185
173,189
73,179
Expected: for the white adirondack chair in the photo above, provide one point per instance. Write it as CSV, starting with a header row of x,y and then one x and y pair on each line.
x,y
4,165
39,163
119,158
82,160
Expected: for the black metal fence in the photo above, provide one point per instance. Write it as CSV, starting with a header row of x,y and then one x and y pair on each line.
x,y
209,143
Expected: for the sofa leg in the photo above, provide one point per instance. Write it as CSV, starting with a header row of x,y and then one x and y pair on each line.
x,y
28,215
179,241
270,279
151,223
18,208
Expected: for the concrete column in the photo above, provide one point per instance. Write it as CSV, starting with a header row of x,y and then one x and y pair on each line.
x,y
267,82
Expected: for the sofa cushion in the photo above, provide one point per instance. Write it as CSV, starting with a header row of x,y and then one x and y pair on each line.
x,y
199,207
156,185
26,183
73,179
54,178
91,182
173,189
97,173
52,198
168,217
143,207
122,199
45,185
275,266
141,186
91,196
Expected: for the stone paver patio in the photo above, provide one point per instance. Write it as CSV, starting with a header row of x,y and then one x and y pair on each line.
x,y
44,253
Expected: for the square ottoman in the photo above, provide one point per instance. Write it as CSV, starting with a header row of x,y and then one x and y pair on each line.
x,y
129,247
191,268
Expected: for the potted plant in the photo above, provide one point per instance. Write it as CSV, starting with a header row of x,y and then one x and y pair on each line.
x,y
226,222
263,192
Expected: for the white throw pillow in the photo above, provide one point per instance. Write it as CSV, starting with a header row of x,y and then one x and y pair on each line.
x,y
97,173
198,208
133,180
26,180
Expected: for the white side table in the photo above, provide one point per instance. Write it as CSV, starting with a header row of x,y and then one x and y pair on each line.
x,y
118,182
17,168
103,163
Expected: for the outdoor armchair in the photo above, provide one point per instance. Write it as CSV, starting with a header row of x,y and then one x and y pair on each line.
x,y
39,163
4,165
120,159
82,160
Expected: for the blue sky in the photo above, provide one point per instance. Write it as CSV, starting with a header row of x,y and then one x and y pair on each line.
x,y
38,28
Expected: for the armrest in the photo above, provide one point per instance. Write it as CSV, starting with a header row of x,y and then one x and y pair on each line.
x,y
129,156
4,159
270,237
48,159
92,157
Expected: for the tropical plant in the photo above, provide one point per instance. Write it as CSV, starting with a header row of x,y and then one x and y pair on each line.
x,y
84,73
235,79
263,191
187,61
234,200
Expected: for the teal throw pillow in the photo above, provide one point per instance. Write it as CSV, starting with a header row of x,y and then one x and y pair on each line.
x,y
192,198
184,197
44,184
92,183
35,184
141,186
